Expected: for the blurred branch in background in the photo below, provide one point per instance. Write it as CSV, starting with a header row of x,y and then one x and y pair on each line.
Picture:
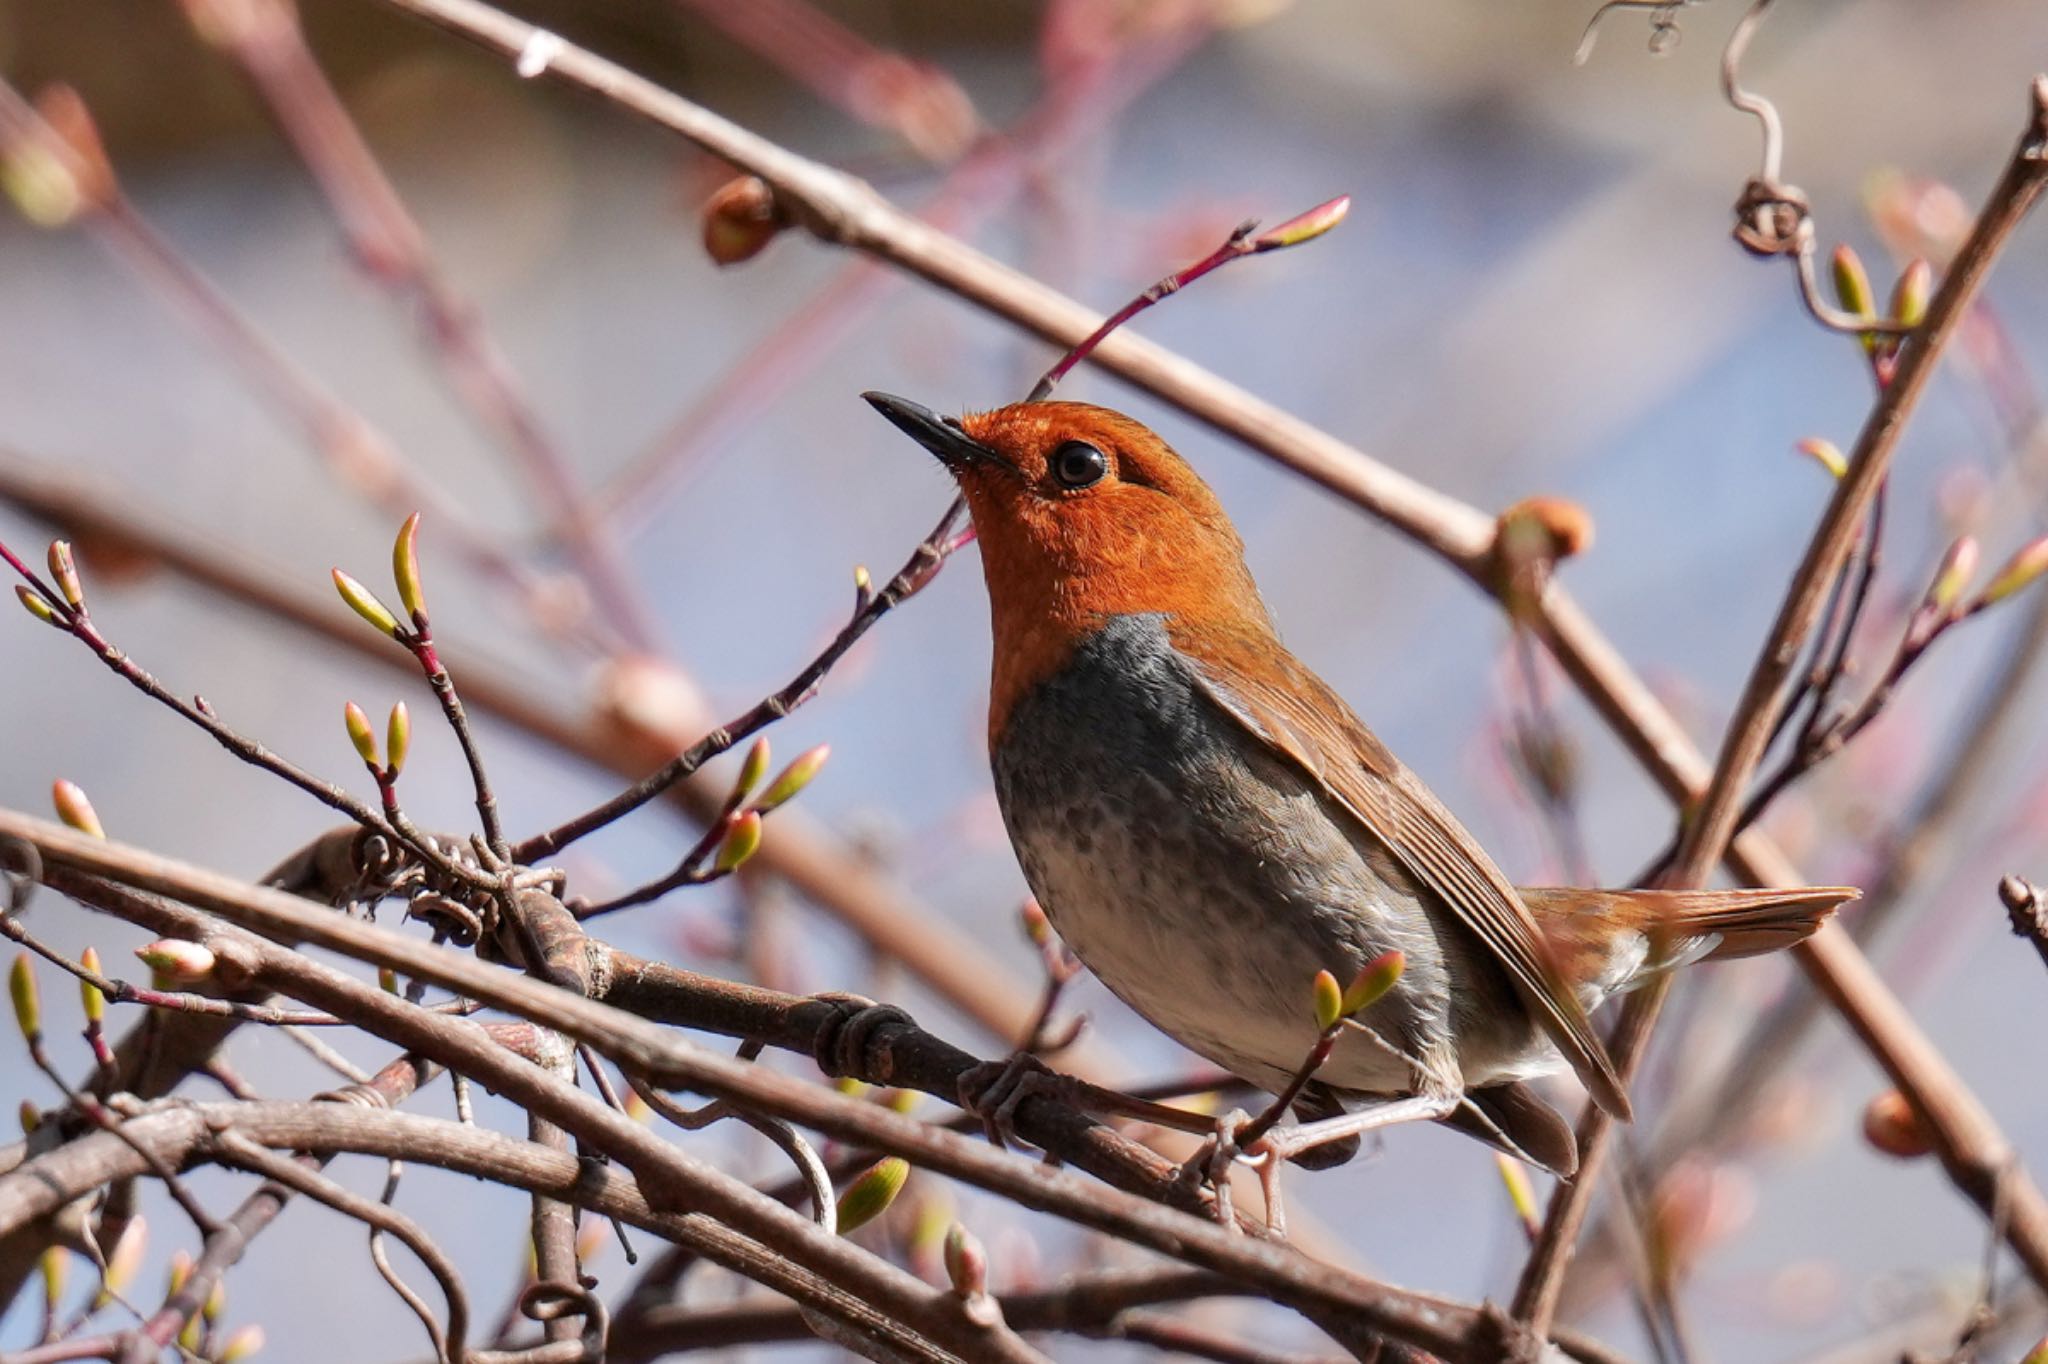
x,y
839,209
621,1010
1973,1149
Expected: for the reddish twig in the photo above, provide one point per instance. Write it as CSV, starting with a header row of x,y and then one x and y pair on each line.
x,y
924,563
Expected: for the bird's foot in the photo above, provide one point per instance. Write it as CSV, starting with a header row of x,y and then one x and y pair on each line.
x,y
992,1090
1238,1137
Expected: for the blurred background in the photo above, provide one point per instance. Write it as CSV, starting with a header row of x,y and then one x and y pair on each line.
x,y
1535,292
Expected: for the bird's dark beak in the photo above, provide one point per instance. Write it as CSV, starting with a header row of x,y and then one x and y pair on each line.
x,y
942,436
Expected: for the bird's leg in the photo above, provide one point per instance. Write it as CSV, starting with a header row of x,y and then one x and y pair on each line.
x,y
1258,1143
1291,1141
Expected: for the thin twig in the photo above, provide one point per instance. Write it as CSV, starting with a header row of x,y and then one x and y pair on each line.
x,y
924,562
1711,827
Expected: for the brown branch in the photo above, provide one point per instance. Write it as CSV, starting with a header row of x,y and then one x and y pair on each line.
x,y
1710,827
847,212
2028,911
1081,1305
353,449
1357,1307
187,1132
267,42
673,1178
953,965
925,561
840,209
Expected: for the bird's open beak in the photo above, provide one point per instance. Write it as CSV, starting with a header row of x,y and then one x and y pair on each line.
x,y
940,435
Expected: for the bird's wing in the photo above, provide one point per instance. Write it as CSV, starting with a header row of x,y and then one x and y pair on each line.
x,y
1274,696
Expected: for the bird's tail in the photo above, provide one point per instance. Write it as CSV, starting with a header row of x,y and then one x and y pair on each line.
x,y
1589,929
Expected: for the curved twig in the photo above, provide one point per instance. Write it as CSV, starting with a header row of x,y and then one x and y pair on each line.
x,y
238,1150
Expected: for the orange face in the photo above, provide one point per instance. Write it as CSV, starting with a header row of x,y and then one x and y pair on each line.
x,y
1081,514
1082,510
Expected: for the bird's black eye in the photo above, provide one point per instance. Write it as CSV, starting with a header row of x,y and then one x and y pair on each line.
x,y
1077,464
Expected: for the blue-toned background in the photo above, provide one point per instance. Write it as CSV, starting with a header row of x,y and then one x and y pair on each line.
x,y
1536,292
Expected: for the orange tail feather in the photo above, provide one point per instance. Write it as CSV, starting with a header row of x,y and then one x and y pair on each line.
x,y
1741,923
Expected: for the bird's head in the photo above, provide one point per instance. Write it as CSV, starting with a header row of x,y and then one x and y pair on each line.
x,y
1083,513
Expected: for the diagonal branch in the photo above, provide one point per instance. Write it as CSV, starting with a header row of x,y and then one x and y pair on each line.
x,y
1341,1301
840,209
1710,827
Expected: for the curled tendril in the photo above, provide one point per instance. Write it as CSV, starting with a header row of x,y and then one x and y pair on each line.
x,y
1665,35
551,1300
379,864
21,868
1772,219
462,925
824,1201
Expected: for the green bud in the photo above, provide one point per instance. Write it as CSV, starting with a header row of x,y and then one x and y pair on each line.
x,y
751,771
74,809
398,737
1327,999
405,567
216,1301
862,583
242,1343
365,604
1910,294
88,993
794,778
1958,566
54,1262
966,1262
64,572
870,1196
1824,453
1521,1193
28,1004
30,1118
2022,568
1852,283
1373,980
387,980
741,842
37,607
177,1272
358,725
1304,227
34,174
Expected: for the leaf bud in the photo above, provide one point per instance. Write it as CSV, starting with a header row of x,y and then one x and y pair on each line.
x,y
405,568
1373,980
365,604
870,1196
358,725
794,778
741,842
72,807
28,1003
740,218
397,738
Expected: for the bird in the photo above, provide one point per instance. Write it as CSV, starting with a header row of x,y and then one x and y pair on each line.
x,y
1207,824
